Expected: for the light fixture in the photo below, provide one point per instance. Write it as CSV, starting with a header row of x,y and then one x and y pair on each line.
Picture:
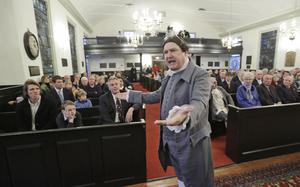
x,y
146,21
228,41
292,29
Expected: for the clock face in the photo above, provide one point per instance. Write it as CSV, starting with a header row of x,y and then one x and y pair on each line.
x,y
31,45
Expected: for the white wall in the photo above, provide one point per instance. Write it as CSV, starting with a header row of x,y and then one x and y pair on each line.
x,y
251,44
120,60
61,46
205,58
16,17
191,24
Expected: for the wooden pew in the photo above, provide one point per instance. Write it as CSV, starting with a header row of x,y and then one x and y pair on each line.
x,y
259,132
8,122
105,155
90,116
95,101
9,94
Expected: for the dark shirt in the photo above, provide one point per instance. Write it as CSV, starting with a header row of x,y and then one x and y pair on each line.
x,y
62,123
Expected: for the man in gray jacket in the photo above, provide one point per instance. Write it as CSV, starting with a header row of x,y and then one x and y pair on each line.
x,y
184,132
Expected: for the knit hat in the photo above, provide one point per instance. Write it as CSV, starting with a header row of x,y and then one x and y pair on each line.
x,y
175,39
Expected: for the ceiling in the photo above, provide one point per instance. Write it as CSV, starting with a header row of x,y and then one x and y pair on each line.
x,y
218,13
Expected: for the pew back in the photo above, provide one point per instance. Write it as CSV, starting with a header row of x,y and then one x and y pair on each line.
x,y
9,94
259,132
106,155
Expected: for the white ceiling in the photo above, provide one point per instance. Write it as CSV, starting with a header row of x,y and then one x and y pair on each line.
x,y
217,13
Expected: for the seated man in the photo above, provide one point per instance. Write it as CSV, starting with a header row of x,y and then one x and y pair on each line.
x,y
287,92
68,117
219,101
258,78
113,110
221,80
35,112
58,93
246,94
267,92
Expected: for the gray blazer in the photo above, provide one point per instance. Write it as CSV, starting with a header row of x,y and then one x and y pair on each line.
x,y
193,88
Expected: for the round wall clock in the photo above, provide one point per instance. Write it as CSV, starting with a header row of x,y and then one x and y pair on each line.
x,y
31,45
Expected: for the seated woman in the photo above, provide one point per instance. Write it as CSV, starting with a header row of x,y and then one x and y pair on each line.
x,y
68,117
219,101
246,94
287,92
82,101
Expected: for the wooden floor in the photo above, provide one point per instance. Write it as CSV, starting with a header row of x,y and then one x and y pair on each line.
x,y
232,169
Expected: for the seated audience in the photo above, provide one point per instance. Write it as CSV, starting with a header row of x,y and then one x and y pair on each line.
x,y
267,92
92,89
35,112
45,84
84,82
76,82
287,92
258,78
219,101
102,83
221,79
67,78
58,93
127,84
68,117
297,82
113,110
247,95
236,81
82,101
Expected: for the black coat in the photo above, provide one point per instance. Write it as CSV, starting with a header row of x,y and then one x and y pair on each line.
x,y
68,95
223,84
288,95
61,123
266,97
44,117
107,108
234,84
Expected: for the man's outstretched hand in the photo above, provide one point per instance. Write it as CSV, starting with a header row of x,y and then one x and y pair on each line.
x,y
122,95
176,116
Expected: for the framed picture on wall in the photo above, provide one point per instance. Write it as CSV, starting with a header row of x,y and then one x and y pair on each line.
x,y
112,65
34,70
217,64
267,49
103,65
137,64
129,64
64,62
210,64
290,58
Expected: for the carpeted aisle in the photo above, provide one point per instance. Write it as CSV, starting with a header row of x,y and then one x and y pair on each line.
x,y
154,169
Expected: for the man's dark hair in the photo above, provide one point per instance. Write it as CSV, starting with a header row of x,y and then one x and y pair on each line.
x,y
56,77
180,42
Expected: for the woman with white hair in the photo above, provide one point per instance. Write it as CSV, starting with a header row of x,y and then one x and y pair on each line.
x,y
247,95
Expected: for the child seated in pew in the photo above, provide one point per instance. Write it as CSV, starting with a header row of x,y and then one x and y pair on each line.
x,y
82,101
68,117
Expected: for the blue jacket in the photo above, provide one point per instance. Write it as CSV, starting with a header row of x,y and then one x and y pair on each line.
x,y
242,100
85,104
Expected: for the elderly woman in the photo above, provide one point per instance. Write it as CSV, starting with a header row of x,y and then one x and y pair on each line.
x,y
247,95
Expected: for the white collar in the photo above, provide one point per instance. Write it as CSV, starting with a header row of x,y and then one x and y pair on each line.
x,y
38,102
